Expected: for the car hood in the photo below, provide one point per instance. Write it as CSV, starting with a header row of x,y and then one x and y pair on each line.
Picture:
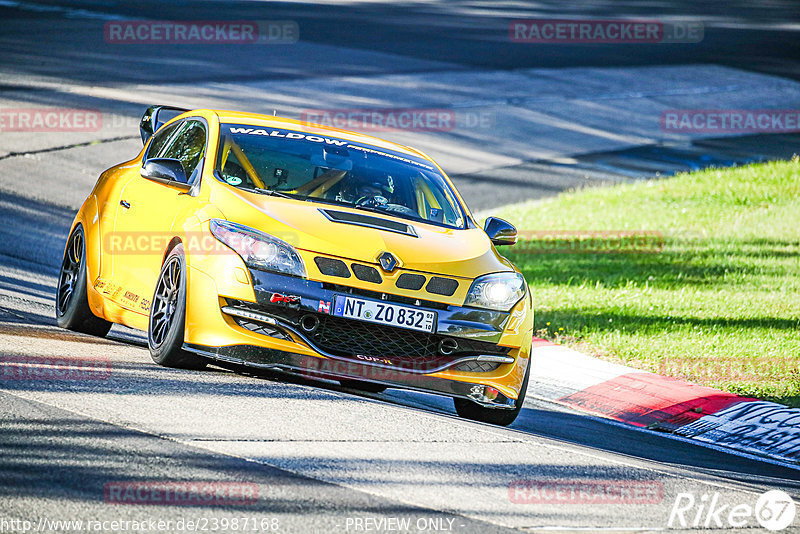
x,y
462,253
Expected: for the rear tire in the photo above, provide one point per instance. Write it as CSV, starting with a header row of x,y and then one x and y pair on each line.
x,y
72,303
168,316
494,416
361,385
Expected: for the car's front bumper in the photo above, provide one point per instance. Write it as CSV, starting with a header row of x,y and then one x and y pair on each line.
x,y
334,369
257,329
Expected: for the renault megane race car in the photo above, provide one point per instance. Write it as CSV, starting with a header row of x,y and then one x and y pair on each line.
x,y
261,241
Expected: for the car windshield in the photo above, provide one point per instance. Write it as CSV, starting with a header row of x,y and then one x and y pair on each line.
x,y
330,170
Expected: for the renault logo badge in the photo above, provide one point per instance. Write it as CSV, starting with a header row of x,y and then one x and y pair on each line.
x,y
388,261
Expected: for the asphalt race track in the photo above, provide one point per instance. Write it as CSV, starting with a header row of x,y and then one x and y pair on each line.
x,y
324,458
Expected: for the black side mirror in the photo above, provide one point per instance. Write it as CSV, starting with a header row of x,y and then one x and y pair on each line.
x,y
500,232
156,116
167,171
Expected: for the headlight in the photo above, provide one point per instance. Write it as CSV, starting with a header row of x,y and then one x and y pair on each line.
x,y
258,249
498,291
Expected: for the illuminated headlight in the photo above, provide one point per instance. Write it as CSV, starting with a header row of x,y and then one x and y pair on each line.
x,y
498,291
257,249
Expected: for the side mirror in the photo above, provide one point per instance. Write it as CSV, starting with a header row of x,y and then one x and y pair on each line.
x,y
156,116
167,171
500,232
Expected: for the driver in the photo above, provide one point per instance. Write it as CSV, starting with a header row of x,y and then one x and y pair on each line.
x,y
378,192
372,194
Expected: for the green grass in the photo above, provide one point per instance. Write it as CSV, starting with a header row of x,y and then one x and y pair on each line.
x,y
719,305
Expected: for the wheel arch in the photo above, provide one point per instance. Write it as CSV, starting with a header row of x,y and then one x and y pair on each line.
x,y
174,242
88,219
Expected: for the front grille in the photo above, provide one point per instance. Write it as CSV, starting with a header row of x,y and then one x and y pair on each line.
x,y
442,286
413,282
437,285
357,337
366,273
405,348
332,267
397,299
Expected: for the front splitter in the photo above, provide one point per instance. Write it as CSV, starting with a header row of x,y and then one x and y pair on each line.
x,y
316,368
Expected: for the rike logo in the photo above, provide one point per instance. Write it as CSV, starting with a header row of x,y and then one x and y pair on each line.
x,y
774,510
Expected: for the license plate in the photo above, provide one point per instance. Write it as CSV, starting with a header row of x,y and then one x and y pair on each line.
x,y
384,313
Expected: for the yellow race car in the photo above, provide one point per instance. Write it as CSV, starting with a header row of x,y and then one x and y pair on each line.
x,y
261,241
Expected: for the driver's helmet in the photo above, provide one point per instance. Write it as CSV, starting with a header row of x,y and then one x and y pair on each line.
x,y
381,188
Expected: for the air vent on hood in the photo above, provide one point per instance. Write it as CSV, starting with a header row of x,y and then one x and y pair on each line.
x,y
368,221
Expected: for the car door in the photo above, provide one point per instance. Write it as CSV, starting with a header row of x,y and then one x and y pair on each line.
x,y
147,211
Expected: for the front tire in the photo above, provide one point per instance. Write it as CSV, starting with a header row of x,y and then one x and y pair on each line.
x,y
494,416
72,303
168,316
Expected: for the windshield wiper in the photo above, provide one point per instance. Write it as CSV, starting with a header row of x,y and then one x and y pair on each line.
x,y
325,201
270,192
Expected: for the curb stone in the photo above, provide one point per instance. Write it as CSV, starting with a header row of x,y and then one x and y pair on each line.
x,y
662,403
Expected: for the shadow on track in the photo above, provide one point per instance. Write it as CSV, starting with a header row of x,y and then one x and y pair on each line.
x,y
39,249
